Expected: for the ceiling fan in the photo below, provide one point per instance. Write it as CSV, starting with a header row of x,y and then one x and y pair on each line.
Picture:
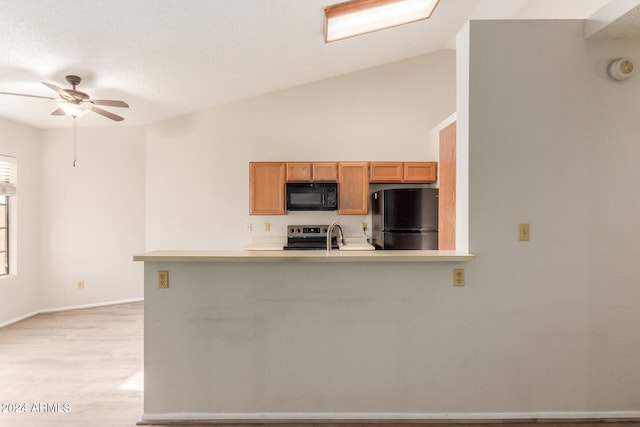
x,y
74,103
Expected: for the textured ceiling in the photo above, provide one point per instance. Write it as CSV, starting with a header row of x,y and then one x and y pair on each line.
x,y
171,57
626,26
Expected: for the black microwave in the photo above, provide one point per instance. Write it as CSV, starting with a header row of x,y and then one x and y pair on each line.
x,y
312,196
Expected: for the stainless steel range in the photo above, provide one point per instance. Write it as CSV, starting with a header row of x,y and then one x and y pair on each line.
x,y
308,237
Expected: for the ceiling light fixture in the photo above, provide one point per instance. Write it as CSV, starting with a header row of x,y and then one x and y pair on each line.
x,y
72,109
365,16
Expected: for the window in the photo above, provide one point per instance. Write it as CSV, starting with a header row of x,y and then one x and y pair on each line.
x,y
7,190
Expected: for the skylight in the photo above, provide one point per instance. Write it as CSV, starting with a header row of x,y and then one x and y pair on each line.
x,y
364,16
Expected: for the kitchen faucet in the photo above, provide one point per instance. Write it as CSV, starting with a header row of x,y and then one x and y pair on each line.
x,y
339,239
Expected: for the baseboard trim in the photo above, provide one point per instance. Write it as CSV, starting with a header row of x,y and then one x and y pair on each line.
x,y
67,308
93,305
383,417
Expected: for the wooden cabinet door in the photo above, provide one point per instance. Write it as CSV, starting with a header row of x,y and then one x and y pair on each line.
x,y
353,188
266,188
420,172
299,172
325,171
386,172
447,192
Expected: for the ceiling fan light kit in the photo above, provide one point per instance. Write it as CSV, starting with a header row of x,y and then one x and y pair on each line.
x,y
76,103
71,109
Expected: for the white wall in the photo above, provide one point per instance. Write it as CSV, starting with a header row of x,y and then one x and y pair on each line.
x,y
20,293
92,215
462,136
197,165
553,142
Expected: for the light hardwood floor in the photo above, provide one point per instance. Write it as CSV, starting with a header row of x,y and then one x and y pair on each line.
x,y
87,365
87,362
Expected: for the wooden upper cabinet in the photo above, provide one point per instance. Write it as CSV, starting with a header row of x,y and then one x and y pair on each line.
x,y
386,172
325,171
353,188
405,172
308,172
267,181
299,172
420,172
266,188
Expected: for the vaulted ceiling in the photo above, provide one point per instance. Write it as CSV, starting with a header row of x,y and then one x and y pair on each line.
x,y
171,57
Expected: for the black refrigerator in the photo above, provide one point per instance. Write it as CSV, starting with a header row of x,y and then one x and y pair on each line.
x,y
405,218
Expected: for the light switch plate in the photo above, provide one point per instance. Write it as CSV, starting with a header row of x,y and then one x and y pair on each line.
x,y
458,277
524,232
163,279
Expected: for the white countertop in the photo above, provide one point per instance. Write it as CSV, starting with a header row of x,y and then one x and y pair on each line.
x,y
304,256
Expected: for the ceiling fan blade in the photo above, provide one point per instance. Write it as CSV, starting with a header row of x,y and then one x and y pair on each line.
x,y
24,94
110,103
104,113
58,112
63,93
54,87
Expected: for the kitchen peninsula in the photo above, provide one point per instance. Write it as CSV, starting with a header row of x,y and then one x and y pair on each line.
x,y
259,335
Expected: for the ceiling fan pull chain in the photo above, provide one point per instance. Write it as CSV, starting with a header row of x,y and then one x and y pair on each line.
x,y
75,150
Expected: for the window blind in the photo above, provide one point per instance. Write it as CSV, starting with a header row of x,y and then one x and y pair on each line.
x,y
7,176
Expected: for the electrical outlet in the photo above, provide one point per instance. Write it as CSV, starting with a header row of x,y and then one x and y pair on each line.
x,y
267,227
524,232
364,227
80,284
458,277
163,279
248,227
